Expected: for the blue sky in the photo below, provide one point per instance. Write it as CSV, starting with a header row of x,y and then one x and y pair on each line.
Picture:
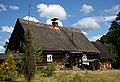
x,y
92,17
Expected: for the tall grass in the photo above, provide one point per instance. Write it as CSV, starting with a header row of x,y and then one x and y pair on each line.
x,y
79,76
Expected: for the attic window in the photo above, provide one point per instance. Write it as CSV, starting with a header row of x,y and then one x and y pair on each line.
x,y
84,57
49,58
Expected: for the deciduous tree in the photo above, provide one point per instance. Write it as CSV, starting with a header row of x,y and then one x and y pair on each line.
x,y
112,38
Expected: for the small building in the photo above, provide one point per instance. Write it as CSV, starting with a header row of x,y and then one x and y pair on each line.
x,y
55,42
105,57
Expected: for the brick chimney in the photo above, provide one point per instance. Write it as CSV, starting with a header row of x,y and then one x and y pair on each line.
x,y
54,22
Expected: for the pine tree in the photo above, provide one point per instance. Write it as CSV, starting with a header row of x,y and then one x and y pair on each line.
x,y
29,56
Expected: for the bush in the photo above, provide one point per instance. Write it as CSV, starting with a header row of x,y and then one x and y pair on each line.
x,y
8,69
20,65
50,70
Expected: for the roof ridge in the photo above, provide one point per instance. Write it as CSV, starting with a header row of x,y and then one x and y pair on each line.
x,y
32,22
44,24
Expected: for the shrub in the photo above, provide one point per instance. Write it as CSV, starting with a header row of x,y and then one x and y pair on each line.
x,y
8,69
50,70
20,67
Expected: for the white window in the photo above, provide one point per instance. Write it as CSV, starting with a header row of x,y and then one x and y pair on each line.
x,y
49,58
84,58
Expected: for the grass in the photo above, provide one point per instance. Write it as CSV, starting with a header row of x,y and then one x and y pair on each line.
x,y
79,76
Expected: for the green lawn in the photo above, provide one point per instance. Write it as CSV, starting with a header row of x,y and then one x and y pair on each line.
x,y
79,76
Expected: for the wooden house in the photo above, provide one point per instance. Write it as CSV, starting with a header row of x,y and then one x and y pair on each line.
x,y
105,57
55,42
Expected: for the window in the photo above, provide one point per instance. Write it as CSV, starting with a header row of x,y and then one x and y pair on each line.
x,y
84,57
49,58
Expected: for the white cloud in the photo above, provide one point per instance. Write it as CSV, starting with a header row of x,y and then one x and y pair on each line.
x,y
31,19
2,8
0,37
86,9
51,11
87,24
1,42
14,7
85,33
50,22
6,40
7,29
2,49
94,38
110,18
104,18
92,23
114,10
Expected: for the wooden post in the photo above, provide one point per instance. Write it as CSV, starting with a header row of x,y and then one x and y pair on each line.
x,y
74,60
78,59
71,61
81,63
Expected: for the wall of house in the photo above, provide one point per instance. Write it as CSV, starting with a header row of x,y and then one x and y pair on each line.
x,y
59,58
56,57
15,39
106,64
92,56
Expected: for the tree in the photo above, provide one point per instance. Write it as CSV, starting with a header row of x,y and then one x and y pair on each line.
x,y
67,60
49,70
29,56
37,55
111,48
113,38
8,69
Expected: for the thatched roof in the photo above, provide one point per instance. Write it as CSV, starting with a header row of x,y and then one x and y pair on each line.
x,y
105,54
64,39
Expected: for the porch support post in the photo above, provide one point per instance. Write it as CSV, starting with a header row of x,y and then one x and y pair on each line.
x,y
71,61
78,59
81,62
